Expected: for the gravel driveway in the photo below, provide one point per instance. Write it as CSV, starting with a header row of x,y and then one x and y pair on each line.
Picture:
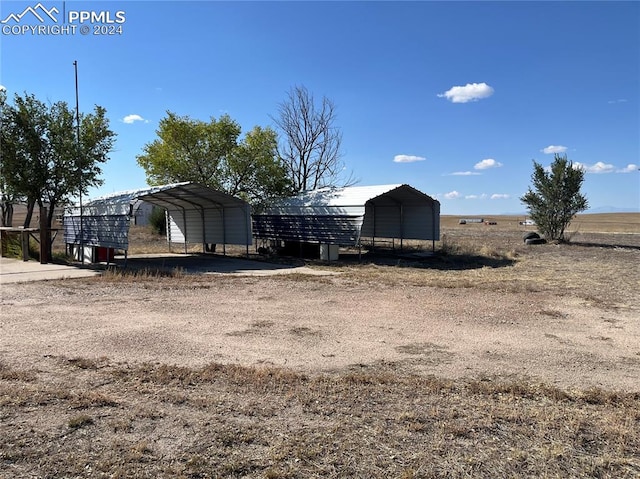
x,y
319,324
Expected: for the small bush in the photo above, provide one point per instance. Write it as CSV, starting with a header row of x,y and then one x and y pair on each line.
x,y
13,247
158,221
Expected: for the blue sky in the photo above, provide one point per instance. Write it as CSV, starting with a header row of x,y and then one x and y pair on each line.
x,y
453,98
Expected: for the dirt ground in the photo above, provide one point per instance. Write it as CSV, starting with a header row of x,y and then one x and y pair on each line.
x,y
564,315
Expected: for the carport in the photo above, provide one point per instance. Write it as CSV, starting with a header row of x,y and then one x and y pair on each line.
x,y
195,214
344,216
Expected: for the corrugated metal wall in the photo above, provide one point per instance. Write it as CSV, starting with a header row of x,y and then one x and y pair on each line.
x,y
228,226
111,231
198,214
340,230
385,219
402,221
237,225
381,221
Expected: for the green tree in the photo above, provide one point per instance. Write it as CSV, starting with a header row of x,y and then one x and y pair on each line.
x,y
158,220
43,160
255,172
555,198
190,150
211,154
24,147
7,195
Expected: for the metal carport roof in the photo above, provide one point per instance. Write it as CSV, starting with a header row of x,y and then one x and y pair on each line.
x,y
344,215
188,196
196,213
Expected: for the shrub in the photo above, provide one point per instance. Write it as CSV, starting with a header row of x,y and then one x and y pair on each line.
x,y
555,198
158,220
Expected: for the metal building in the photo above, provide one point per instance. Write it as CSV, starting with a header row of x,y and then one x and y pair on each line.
x,y
344,216
196,214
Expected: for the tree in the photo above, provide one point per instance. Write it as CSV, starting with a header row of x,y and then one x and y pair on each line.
x,y
77,162
158,221
43,160
556,197
23,142
311,142
190,150
6,205
7,197
211,154
255,171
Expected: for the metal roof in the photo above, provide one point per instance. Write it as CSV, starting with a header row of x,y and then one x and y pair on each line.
x,y
190,196
341,215
349,196
184,196
346,201
196,213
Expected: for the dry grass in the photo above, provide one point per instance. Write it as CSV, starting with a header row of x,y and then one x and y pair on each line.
x,y
144,274
94,418
153,420
597,267
479,256
583,223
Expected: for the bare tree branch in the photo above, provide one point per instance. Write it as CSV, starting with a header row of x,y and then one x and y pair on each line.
x,y
311,143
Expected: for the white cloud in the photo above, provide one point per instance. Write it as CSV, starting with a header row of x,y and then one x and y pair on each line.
x,y
487,163
129,119
500,196
629,168
407,158
598,167
554,149
620,100
475,197
452,195
465,173
467,93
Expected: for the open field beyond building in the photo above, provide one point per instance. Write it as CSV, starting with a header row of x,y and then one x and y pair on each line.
x,y
489,359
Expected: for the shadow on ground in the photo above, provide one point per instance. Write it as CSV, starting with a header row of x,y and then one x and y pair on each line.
x,y
203,264
588,244
459,262
426,260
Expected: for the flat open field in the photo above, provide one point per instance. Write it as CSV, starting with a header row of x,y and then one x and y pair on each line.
x,y
583,223
489,359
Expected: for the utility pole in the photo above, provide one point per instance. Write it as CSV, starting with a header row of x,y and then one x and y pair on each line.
x,y
79,163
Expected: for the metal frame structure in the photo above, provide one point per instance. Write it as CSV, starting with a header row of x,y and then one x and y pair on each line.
x,y
195,214
343,216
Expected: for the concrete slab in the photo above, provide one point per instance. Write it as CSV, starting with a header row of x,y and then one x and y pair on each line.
x,y
214,264
16,271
